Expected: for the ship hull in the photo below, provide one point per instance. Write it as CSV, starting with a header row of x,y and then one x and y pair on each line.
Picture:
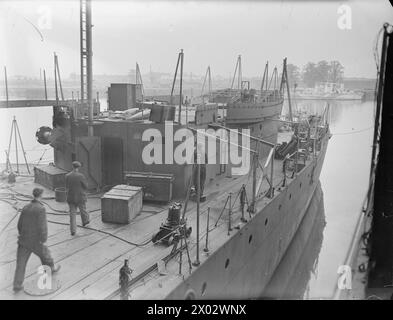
x,y
244,265
349,97
252,112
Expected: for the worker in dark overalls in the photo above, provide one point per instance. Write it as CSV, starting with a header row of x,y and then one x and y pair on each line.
x,y
76,186
33,234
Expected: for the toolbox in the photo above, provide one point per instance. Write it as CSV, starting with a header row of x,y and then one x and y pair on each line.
x,y
156,186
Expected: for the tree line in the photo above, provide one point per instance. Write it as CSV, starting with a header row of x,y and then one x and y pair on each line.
x,y
311,73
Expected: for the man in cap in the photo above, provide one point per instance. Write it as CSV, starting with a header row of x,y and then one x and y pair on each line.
x,y
33,234
76,185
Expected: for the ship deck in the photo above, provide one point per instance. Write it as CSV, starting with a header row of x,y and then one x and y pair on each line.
x,y
90,261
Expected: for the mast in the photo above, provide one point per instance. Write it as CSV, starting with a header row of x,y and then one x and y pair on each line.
x,y
58,76
86,54
209,82
46,92
181,84
265,77
6,83
138,79
56,92
180,59
284,81
238,70
239,76
273,79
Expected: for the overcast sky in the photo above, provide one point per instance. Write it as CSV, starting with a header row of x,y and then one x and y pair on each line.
x,y
152,33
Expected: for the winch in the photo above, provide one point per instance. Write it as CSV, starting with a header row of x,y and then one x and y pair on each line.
x,y
174,227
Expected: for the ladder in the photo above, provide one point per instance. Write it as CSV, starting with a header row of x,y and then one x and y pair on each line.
x,y
83,48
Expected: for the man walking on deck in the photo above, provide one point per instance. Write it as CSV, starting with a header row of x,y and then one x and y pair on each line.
x,y
76,185
33,233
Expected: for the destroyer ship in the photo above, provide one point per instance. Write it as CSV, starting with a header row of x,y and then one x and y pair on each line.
x,y
227,245
220,235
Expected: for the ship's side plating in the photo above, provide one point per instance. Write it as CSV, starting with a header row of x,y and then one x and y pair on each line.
x,y
244,265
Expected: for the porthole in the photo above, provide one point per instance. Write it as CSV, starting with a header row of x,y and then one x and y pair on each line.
x,y
203,290
250,238
226,263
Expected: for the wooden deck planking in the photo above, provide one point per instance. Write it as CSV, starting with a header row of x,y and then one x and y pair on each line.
x,y
78,244
168,282
154,252
218,237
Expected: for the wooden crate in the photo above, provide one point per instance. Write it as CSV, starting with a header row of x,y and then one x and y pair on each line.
x,y
121,204
156,186
50,176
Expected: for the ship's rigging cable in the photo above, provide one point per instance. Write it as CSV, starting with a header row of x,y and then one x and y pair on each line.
x,y
14,196
352,132
13,217
63,212
65,223
107,233
83,227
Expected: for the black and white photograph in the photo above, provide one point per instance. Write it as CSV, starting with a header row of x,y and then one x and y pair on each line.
x,y
223,150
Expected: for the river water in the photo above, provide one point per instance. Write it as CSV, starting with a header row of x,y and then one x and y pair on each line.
x,y
317,252
309,267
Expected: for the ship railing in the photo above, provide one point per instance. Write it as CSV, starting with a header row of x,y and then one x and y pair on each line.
x,y
271,95
234,98
297,160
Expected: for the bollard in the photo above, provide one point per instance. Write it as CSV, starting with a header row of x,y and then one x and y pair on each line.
x,y
124,278
230,213
206,249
